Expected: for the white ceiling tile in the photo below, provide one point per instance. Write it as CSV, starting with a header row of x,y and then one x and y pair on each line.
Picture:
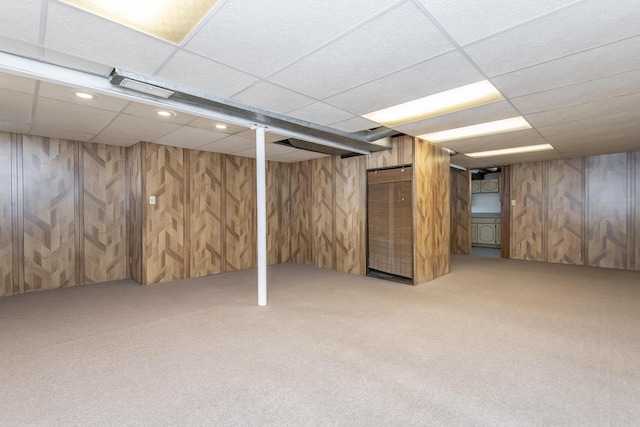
x,y
71,61
134,128
589,65
616,142
207,123
20,19
268,136
601,125
66,94
124,142
607,87
272,151
190,137
355,124
391,42
201,74
149,112
17,83
71,30
15,106
229,145
495,142
297,156
15,127
320,113
584,111
498,161
581,26
470,20
262,37
444,72
272,97
53,132
51,113
484,113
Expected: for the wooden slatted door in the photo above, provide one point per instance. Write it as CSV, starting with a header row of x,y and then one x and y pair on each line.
x,y
390,224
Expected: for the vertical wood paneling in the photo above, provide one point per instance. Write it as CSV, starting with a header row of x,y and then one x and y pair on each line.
x,y
608,216
17,211
6,227
301,212
323,209
564,229
348,216
273,213
206,251
527,214
134,207
240,231
401,153
105,239
636,179
49,223
284,182
460,212
431,211
164,179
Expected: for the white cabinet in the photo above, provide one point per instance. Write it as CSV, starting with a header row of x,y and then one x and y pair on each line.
x,y
476,187
485,232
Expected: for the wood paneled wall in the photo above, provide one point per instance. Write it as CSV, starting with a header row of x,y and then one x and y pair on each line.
x,y
62,213
431,212
581,211
240,213
6,223
301,228
322,212
134,210
460,191
350,199
104,219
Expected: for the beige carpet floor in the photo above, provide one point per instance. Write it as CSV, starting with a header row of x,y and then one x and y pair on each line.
x,y
496,342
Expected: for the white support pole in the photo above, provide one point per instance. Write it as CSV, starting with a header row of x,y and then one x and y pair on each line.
x,y
262,216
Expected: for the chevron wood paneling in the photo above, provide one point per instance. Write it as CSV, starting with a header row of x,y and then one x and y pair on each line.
x,y
240,229
301,212
608,222
205,179
274,254
400,154
527,216
323,208
349,215
565,205
134,210
6,224
460,212
164,227
284,181
431,214
49,223
105,236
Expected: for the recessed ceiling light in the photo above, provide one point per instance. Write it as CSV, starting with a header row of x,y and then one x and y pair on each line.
x,y
169,20
84,95
516,150
221,126
165,113
449,101
489,128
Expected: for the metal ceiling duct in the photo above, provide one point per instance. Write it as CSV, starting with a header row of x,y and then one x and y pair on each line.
x,y
333,141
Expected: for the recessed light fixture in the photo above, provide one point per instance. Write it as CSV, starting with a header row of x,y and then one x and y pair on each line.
x,y
449,101
165,113
489,128
221,126
169,20
84,95
516,150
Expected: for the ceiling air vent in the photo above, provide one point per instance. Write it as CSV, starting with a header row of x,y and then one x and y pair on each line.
x,y
145,88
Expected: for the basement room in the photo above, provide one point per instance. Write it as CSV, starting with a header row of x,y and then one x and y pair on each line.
x,y
345,213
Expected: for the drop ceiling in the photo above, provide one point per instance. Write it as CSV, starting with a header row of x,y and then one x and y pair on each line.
x,y
569,67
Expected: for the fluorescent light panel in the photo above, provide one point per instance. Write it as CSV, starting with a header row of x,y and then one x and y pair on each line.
x,y
169,20
449,101
489,128
516,150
